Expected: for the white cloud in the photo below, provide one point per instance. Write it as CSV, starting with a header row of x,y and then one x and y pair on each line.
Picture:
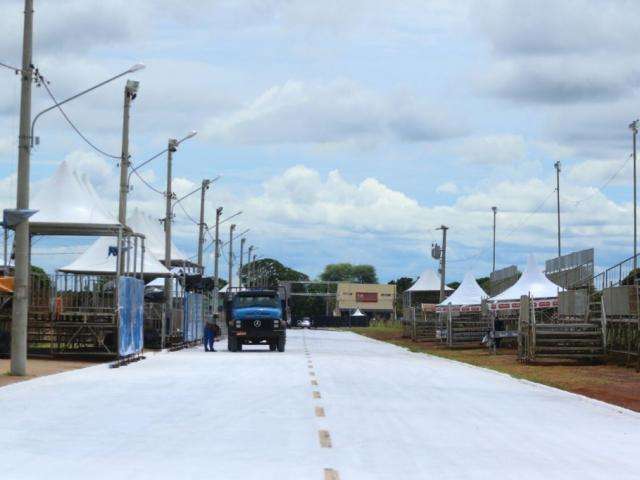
x,y
336,111
447,187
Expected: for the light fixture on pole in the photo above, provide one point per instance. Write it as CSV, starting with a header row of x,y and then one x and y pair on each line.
x,y
132,69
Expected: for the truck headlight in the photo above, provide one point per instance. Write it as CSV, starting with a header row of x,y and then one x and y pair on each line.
x,y
238,324
276,323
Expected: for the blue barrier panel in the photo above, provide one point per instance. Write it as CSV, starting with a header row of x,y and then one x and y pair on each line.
x,y
130,316
192,320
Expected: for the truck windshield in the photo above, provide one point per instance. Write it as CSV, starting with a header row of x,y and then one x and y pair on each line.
x,y
245,302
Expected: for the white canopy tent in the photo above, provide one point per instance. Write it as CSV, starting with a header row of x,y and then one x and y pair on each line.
x,y
428,281
67,204
143,223
468,295
532,282
98,259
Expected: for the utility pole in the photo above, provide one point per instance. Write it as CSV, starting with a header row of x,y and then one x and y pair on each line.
x,y
249,266
130,92
168,294
242,242
634,128
22,264
232,227
557,166
216,257
201,225
443,260
254,270
495,211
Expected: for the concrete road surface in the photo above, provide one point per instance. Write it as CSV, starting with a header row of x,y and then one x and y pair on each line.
x,y
334,405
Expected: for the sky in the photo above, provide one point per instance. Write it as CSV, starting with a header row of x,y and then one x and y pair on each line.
x,y
348,131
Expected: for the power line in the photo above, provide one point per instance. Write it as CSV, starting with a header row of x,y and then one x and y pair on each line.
x,y
605,184
476,256
159,192
75,128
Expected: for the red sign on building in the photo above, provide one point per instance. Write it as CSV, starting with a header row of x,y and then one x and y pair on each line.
x,y
367,297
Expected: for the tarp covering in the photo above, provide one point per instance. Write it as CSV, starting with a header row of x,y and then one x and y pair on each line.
x,y
6,284
99,258
192,320
130,316
468,293
68,197
533,281
143,223
428,281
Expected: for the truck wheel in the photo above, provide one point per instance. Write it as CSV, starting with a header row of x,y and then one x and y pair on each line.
x,y
272,347
232,343
281,341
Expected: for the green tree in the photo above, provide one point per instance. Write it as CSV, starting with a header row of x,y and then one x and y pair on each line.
x,y
346,272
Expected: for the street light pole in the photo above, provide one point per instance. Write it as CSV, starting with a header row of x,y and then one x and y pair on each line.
x,y
443,260
634,129
249,266
557,166
130,92
216,255
201,225
232,227
495,211
168,294
22,264
242,242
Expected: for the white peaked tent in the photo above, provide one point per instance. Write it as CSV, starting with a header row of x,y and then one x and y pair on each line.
x,y
143,223
96,260
357,313
469,293
534,282
429,281
67,203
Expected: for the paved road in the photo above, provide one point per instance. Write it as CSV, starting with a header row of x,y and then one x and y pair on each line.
x,y
388,414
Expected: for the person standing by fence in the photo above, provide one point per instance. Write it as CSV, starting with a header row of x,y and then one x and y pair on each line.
x,y
210,332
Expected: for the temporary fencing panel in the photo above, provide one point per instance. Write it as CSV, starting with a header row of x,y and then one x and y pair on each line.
x,y
130,316
192,321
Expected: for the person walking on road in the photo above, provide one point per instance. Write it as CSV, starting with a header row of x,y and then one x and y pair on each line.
x,y
210,332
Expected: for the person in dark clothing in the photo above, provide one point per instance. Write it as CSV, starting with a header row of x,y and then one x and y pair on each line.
x,y
210,333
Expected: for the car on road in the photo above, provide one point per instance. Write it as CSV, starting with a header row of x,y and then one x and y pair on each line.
x,y
305,323
255,317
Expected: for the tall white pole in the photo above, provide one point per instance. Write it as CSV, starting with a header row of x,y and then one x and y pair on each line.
x,y
168,294
216,254
203,190
634,129
242,242
21,288
495,211
232,227
557,166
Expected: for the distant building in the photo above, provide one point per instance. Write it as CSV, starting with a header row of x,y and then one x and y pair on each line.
x,y
372,299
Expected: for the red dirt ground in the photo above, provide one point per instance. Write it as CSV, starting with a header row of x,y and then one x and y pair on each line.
x,y
39,368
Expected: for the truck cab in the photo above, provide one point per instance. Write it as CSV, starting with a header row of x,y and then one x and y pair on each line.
x,y
256,317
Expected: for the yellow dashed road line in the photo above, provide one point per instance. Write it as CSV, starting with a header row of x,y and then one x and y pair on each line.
x,y
319,412
316,394
331,474
325,438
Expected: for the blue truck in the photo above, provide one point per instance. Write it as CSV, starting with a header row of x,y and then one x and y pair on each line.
x,y
256,317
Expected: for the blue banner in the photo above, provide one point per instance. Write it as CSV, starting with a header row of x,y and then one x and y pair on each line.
x,y
130,316
192,320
